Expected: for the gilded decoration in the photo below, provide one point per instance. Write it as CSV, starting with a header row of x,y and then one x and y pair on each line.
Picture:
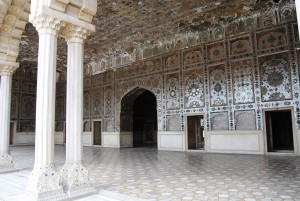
x,y
242,81
275,77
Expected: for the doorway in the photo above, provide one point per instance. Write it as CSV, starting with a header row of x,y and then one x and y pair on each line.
x,y
279,130
97,132
11,134
138,119
195,132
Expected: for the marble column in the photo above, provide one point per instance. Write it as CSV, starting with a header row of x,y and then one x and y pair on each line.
x,y
6,72
74,175
297,3
44,179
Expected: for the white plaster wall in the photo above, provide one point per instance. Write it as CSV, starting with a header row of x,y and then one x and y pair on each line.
x,y
24,138
87,139
171,141
111,139
126,139
245,142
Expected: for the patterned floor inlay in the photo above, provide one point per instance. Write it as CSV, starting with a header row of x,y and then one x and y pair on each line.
x,y
147,174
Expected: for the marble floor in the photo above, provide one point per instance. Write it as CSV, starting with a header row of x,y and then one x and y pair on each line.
x,y
138,174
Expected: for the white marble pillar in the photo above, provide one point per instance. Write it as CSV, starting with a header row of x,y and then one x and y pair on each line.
x,y
74,175
297,2
6,72
44,179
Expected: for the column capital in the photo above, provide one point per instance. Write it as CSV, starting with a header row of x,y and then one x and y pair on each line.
x,y
74,33
46,24
8,68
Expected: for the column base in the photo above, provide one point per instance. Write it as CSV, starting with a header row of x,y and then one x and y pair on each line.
x,y
6,163
75,180
44,185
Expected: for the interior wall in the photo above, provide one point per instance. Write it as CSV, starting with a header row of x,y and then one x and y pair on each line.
x,y
232,80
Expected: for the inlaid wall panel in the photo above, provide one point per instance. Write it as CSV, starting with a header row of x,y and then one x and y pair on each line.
x,y
218,85
194,88
242,81
275,77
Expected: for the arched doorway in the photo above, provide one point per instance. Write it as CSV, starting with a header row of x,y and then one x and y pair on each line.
x,y
138,119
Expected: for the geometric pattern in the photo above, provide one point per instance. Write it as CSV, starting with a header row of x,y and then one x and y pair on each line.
x,y
242,79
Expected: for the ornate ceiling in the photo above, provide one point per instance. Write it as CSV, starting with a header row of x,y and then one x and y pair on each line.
x,y
124,26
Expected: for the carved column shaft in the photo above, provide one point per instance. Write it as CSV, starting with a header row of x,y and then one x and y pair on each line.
x,y
5,94
44,177
45,105
74,116
5,105
6,72
74,175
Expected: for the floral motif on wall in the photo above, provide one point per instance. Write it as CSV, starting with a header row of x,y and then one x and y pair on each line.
x,y
240,46
217,80
271,38
267,19
216,51
96,106
275,78
193,89
172,61
28,107
86,104
172,91
59,107
242,80
287,12
13,109
108,100
193,57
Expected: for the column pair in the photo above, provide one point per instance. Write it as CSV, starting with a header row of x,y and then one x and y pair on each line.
x,y
45,181
6,71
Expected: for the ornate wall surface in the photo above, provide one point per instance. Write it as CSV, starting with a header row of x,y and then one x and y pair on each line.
x,y
231,80
230,73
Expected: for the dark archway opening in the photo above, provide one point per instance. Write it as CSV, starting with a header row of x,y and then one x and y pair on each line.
x,y
139,118
145,120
